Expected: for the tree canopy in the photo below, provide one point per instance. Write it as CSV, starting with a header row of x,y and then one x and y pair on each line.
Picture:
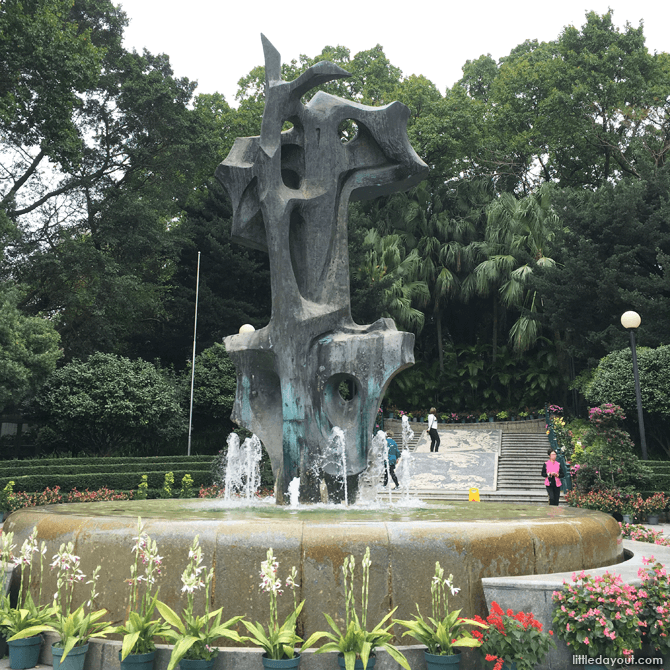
x,y
543,218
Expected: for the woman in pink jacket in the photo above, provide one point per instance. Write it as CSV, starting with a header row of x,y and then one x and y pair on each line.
x,y
552,473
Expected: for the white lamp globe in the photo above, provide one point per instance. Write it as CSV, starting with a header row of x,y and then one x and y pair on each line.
x,y
630,320
247,328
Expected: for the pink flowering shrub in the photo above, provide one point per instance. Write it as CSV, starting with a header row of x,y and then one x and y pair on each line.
x,y
49,496
598,616
631,531
606,500
609,459
654,593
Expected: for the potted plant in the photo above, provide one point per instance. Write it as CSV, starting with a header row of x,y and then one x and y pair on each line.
x,y
653,506
75,628
193,636
141,627
513,639
23,625
483,417
523,416
279,642
356,644
410,416
502,416
598,616
445,630
444,418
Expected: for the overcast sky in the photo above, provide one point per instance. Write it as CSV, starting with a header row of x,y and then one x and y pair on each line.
x,y
217,43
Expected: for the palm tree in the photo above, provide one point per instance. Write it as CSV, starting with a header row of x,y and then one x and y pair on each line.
x,y
439,227
388,262
518,239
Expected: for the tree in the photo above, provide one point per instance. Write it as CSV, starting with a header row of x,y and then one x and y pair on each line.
x,y
28,350
585,108
214,387
98,214
519,233
107,401
612,256
613,382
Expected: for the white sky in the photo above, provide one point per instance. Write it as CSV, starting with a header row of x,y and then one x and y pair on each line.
x,y
217,43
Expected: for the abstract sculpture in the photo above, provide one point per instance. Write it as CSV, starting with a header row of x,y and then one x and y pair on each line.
x,y
290,192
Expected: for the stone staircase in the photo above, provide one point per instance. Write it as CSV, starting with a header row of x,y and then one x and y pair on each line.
x,y
520,467
520,462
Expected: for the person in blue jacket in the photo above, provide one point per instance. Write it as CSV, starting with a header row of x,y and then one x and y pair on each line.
x,y
394,455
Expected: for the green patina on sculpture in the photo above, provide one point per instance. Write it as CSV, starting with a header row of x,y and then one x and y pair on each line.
x,y
290,192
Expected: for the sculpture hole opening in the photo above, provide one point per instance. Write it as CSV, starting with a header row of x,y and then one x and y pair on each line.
x,y
298,244
347,130
292,165
347,389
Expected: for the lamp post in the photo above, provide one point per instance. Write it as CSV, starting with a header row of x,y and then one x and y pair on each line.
x,y
630,321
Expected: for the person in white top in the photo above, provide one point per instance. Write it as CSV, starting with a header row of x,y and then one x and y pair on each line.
x,y
432,430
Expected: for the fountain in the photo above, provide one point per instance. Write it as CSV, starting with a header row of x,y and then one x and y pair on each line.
x,y
290,192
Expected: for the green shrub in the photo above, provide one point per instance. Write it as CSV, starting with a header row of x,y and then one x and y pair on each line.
x,y
168,484
186,486
142,489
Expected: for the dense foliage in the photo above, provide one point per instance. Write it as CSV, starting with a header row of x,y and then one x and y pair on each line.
x,y
99,404
544,217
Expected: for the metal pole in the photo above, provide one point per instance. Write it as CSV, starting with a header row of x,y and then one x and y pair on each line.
x,y
638,395
195,330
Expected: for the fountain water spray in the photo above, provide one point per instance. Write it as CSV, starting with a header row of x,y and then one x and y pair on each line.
x,y
253,452
337,454
407,433
294,491
405,471
242,466
233,477
368,480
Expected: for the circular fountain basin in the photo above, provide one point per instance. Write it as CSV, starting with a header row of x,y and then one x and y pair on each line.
x,y
470,540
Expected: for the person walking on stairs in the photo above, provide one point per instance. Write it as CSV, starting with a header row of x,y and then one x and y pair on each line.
x,y
432,430
552,471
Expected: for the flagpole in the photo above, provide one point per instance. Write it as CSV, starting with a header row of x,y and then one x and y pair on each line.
x,y
195,330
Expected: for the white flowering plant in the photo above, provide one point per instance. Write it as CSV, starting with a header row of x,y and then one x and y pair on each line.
x,y
444,630
28,618
194,636
141,627
279,641
356,642
77,627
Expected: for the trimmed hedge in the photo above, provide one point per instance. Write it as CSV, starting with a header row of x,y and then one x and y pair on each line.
x,y
112,480
661,477
128,468
11,466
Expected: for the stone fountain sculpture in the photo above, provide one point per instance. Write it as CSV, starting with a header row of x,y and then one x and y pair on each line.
x,y
290,191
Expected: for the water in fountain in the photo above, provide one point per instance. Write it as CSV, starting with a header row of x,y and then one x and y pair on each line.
x,y
294,491
242,467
